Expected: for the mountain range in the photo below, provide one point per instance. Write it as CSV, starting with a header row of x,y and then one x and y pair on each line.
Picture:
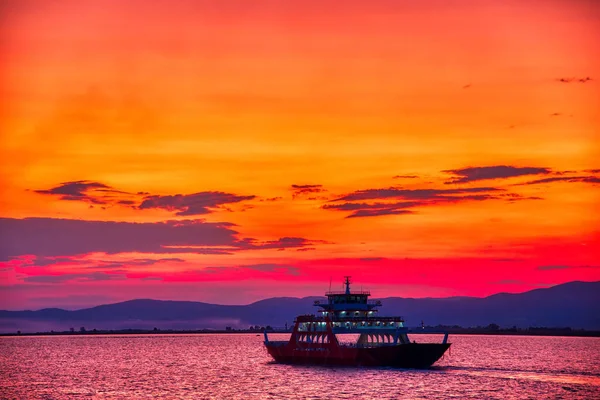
x,y
573,304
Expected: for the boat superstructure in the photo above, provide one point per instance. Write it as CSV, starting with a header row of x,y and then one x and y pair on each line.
x,y
380,340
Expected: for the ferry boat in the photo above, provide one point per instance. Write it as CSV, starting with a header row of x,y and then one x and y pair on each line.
x,y
381,341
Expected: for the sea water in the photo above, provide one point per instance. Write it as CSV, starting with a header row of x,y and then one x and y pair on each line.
x,y
236,366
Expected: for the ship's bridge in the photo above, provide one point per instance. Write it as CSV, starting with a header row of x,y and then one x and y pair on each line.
x,y
348,303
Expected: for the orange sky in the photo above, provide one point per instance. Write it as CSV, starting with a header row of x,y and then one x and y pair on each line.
x,y
373,109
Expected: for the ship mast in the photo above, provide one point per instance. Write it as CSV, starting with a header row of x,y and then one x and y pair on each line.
x,y
347,283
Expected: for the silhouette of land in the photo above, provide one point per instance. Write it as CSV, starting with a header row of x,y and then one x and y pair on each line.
x,y
568,309
491,329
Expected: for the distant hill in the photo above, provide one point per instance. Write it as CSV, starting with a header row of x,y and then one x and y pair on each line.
x,y
573,304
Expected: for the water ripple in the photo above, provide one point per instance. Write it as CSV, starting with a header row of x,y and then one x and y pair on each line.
x,y
238,367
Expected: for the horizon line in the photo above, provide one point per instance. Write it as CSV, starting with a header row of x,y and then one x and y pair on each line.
x,y
291,297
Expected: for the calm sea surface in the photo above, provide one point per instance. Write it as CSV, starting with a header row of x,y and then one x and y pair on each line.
x,y
238,367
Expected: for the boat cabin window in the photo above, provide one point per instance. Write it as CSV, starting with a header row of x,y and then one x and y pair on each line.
x,y
348,299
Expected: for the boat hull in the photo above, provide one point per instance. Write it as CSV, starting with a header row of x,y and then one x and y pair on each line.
x,y
412,355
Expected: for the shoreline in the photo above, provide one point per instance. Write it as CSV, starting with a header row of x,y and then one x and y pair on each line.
x,y
452,331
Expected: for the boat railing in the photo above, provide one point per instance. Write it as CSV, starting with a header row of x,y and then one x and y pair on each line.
x,y
373,318
352,293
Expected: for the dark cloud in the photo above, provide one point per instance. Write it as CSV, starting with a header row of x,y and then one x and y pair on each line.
x,y
75,188
136,262
409,194
273,268
552,267
153,261
373,210
583,179
509,282
405,177
45,261
471,174
589,179
93,276
572,80
512,197
559,267
298,190
192,204
366,206
282,243
593,171
183,205
455,199
377,213
49,237
266,267
88,191
407,207
360,203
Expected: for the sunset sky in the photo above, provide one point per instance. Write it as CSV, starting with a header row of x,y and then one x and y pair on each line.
x,y
230,151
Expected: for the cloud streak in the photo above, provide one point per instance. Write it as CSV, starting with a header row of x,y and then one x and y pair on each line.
x,y
291,270
192,204
88,191
299,190
583,179
574,80
93,276
373,210
98,193
473,174
359,206
409,194
403,201
565,267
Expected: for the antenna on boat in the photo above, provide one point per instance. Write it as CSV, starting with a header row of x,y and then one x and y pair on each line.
x,y
347,283
330,283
